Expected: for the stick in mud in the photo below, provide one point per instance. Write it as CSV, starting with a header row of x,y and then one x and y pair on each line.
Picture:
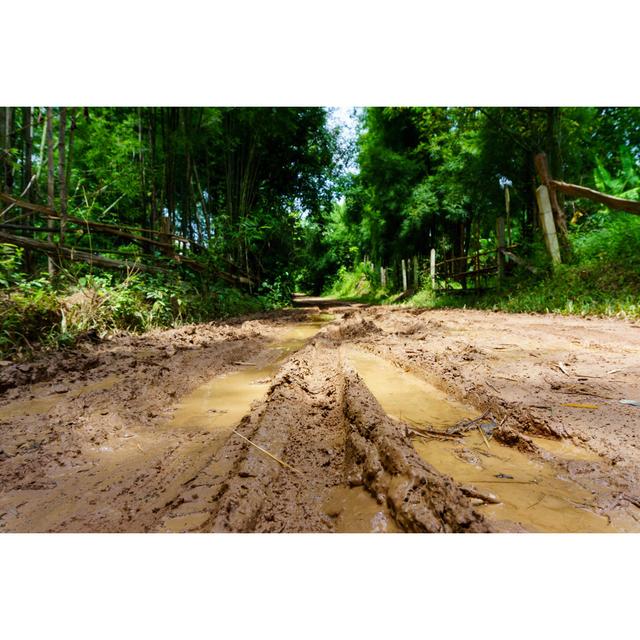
x,y
483,436
438,435
284,464
466,425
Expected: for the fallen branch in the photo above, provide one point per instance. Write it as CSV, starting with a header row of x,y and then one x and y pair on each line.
x,y
467,425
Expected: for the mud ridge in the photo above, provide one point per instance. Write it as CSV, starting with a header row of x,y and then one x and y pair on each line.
x,y
380,456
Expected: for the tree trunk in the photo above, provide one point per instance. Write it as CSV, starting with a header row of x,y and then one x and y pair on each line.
x,y
72,131
27,174
6,144
62,177
143,177
27,146
50,183
3,146
153,215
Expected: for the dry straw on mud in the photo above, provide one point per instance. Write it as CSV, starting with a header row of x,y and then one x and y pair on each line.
x,y
284,464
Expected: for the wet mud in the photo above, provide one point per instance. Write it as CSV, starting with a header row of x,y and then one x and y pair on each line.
x,y
329,419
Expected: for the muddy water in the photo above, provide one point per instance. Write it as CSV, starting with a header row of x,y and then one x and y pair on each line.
x,y
532,493
45,403
220,404
405,396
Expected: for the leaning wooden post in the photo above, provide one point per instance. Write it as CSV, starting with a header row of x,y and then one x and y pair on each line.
x,y
432,268
548,224
501,246
404,274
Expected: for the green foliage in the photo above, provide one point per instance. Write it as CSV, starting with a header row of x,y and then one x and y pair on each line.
x,y
323,247
36,314
29,315
626,184
10,265
277,293
245,184
359,283
603,279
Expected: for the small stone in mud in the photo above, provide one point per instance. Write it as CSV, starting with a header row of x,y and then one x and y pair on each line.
x,y
379,523
503,475
333,511
170,350
60,388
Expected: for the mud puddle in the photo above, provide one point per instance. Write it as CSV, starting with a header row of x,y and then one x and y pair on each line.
x,y
531,493
404,396
220,403
44,404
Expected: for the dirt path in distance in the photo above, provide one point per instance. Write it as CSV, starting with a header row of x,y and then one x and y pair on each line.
x,y
330,418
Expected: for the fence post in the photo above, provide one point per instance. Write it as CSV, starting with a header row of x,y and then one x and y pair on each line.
x,y
432,268
501,245
416,273
404,275
383,276
548,224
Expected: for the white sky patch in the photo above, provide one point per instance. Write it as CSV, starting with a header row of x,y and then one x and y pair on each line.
x,y
348,120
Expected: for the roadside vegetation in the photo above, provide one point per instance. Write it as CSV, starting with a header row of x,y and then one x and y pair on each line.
x,y
602,279
435,178
41,312
134,218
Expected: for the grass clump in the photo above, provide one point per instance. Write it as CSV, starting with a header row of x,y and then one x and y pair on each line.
x,y
40,313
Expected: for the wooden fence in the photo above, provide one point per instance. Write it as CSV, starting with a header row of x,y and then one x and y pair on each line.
x,y
158,247
475,271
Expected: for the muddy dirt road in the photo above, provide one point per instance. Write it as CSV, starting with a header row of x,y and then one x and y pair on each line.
x,y
327,418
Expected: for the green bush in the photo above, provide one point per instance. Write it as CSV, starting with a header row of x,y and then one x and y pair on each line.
x,y
38,313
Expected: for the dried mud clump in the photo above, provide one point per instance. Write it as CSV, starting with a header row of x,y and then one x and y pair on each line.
x,y
512,438
358,327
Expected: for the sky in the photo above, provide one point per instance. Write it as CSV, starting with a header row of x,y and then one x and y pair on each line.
x,y
347,118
